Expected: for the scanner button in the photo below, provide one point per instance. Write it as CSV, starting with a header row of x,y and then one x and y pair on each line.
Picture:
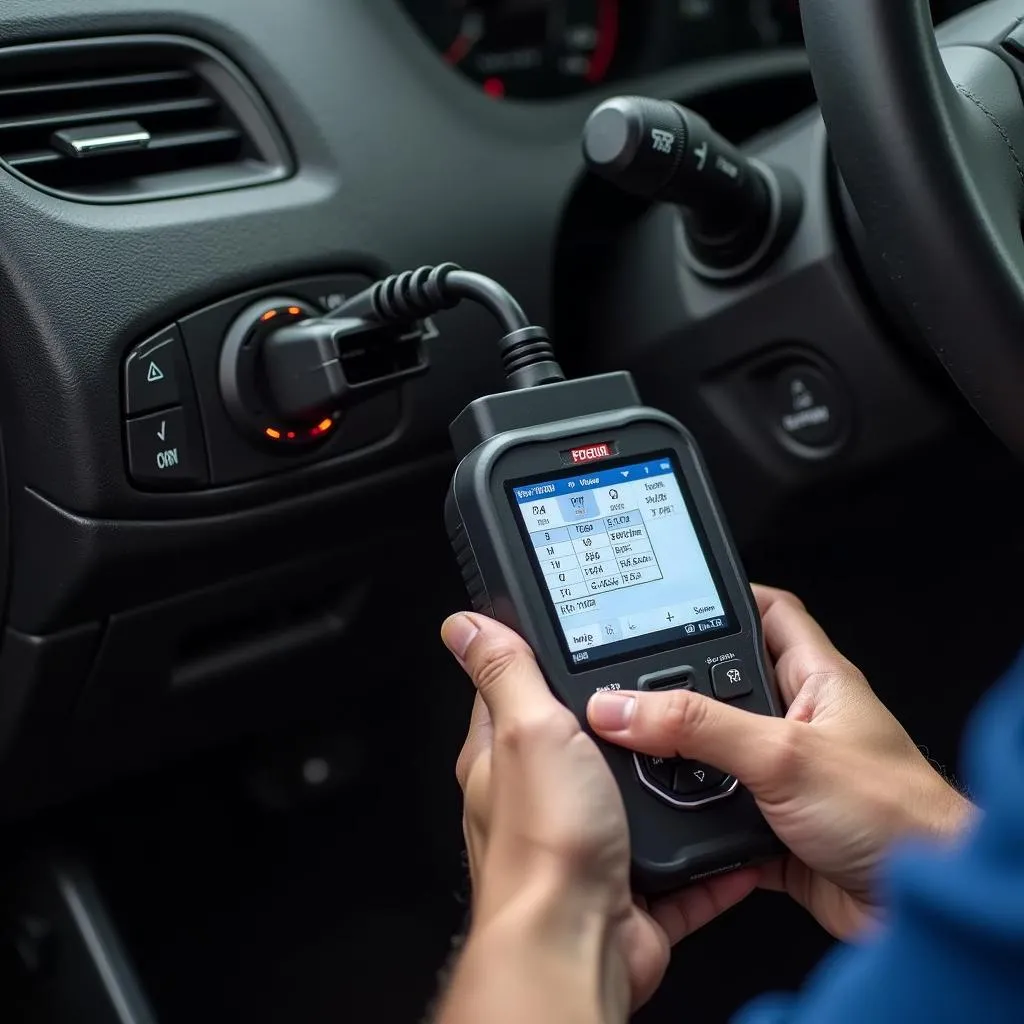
x,y
660,770
731,680
693,778
670,679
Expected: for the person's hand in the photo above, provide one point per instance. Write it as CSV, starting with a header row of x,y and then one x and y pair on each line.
x,y
839,780
547,836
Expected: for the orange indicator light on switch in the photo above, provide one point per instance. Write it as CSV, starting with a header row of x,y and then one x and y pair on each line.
x,y
269,315
295,311
275,434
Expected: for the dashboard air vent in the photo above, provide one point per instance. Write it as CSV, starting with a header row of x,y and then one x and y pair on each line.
x,y
132,118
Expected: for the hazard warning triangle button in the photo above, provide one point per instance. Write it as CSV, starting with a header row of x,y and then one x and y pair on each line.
x,y
151,376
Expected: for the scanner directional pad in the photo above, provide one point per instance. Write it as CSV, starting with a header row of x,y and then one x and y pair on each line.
x,y
693,778
677,780
662,770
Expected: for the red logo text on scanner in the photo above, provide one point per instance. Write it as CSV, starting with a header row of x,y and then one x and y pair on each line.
x,y
591,453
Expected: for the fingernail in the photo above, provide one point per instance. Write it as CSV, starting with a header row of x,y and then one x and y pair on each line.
x,y
458,633
611,712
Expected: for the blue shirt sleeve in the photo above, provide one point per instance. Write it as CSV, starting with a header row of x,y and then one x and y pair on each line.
x,y
952,949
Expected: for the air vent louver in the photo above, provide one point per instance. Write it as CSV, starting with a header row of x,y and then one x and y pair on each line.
x,y
133,118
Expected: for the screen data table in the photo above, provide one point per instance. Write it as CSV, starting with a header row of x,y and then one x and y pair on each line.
x,y
620,556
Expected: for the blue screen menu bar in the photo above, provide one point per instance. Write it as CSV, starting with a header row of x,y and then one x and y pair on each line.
x,y
593,481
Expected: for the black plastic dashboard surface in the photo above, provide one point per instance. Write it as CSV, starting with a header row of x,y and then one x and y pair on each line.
x,y
398,163
543,48
539,49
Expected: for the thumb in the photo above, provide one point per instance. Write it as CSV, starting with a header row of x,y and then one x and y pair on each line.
x,y
762,752
502,667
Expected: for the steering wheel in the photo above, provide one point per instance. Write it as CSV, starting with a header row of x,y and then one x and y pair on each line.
x,y
930,147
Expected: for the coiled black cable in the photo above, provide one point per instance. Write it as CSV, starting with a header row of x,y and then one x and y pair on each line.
x,y
526,350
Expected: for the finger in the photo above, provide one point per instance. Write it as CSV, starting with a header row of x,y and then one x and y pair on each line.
x,y
798,645
772,876
762,752
476,808
647,951
478,739
501,665
681,915
766,596
829,903
787,623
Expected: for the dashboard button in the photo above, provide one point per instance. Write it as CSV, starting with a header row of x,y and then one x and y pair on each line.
x,y
731,680
162,452
808,407
152,373
693,778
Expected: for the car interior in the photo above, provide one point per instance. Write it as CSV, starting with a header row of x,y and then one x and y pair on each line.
x,y
228,728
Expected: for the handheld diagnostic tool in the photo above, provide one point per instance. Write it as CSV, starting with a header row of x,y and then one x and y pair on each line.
x,y
587,523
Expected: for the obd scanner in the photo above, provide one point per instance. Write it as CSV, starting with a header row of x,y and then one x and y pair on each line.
x,y
587,522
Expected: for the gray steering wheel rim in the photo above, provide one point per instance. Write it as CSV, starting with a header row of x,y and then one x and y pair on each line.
x,y
935,173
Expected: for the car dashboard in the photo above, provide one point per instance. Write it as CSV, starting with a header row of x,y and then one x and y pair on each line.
x,y
199,598
170,545
543,49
